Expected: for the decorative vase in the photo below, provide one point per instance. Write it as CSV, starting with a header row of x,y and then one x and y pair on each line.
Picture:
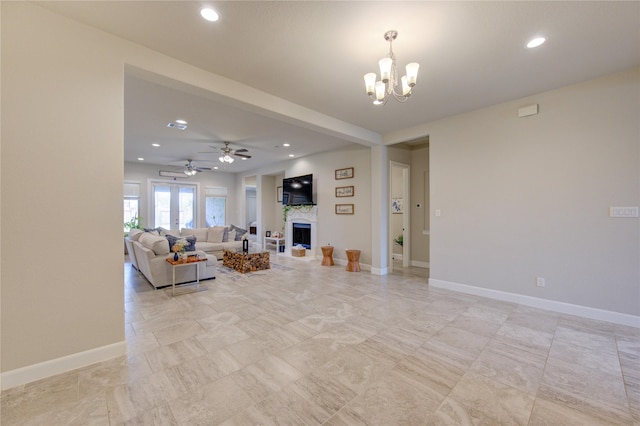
x,y
184,256
175,256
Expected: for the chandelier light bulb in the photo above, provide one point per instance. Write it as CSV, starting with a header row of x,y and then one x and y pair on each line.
x,y
380,91
406,89
385,69
412,73
370,83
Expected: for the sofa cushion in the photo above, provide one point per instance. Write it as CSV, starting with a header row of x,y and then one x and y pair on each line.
x,y
164,232
216,234
153,231
135,234
158,244
199,233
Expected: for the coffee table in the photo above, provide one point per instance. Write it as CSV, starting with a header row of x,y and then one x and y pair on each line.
x,y
253,260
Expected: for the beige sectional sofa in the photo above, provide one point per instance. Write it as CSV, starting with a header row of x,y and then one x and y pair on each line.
x,y
148,251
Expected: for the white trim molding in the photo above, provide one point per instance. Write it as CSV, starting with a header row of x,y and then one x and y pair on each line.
x,y
31,373
550,305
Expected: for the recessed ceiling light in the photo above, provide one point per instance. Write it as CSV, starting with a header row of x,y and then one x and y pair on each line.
x,y
181,122
243,158
215,167
209,14
291,155
536,42
286,144
155,144
140,159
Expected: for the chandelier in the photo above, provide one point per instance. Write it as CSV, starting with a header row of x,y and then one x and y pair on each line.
x,y
380,91
226,158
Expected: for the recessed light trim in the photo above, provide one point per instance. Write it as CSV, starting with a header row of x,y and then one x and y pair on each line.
x,y
180,121
286,144
291,155
140,159
155,144
535,42
209,14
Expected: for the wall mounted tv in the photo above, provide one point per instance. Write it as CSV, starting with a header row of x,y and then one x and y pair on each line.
x,y
297,190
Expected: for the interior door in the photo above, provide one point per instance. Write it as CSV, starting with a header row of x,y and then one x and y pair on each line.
x,y
174,205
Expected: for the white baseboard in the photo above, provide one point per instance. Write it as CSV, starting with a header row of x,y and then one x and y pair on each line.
x,y
31,373
419,264
550,305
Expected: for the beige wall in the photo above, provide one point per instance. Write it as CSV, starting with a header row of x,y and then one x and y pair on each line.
x,y
529,197
61,118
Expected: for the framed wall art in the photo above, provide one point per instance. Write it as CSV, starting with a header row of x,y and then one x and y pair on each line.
x,y
397,205
344,209
345,191
346,173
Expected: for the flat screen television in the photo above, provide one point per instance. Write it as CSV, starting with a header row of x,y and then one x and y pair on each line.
x,y
297,190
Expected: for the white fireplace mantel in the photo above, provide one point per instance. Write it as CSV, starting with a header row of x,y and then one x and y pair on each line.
x,y
302,214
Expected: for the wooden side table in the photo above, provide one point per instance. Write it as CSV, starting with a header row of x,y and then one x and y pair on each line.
x,y
353,257
327,253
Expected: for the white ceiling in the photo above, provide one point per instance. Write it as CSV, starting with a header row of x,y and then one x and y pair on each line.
x,y
314,54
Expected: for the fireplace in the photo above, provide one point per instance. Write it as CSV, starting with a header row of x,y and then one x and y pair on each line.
x,y
305,220
301,235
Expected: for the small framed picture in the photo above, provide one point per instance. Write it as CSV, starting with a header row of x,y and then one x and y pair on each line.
x,y
397,205
279,194
344,208
267,234
344,191
344,173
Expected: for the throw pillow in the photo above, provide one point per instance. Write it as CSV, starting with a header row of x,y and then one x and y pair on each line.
x,y
239,233
216,234
232,236
191,240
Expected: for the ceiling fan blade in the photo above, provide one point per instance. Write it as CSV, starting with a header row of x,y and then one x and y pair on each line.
x,y
242,155
242,150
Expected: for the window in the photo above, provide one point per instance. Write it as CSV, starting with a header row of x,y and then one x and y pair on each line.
x,y
216,206
131,204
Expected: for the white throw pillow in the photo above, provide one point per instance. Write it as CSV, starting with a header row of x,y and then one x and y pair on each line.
x,y
232,235
215,234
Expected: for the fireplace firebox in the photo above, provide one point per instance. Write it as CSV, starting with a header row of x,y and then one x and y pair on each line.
x,y
301,235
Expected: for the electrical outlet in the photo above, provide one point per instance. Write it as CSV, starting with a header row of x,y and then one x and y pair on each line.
x,y
540,282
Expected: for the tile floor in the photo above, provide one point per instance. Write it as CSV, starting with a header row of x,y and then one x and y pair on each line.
x,y
303,344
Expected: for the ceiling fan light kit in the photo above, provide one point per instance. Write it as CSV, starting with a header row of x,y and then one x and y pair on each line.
x,y
381,90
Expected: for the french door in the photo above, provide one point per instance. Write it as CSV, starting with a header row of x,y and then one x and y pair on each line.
x,y
174,205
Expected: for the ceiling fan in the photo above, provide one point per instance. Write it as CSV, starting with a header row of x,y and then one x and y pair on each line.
x,y
190,169
227,154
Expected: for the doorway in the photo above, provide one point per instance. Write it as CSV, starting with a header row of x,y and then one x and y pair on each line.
x,y
173,205
399,222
